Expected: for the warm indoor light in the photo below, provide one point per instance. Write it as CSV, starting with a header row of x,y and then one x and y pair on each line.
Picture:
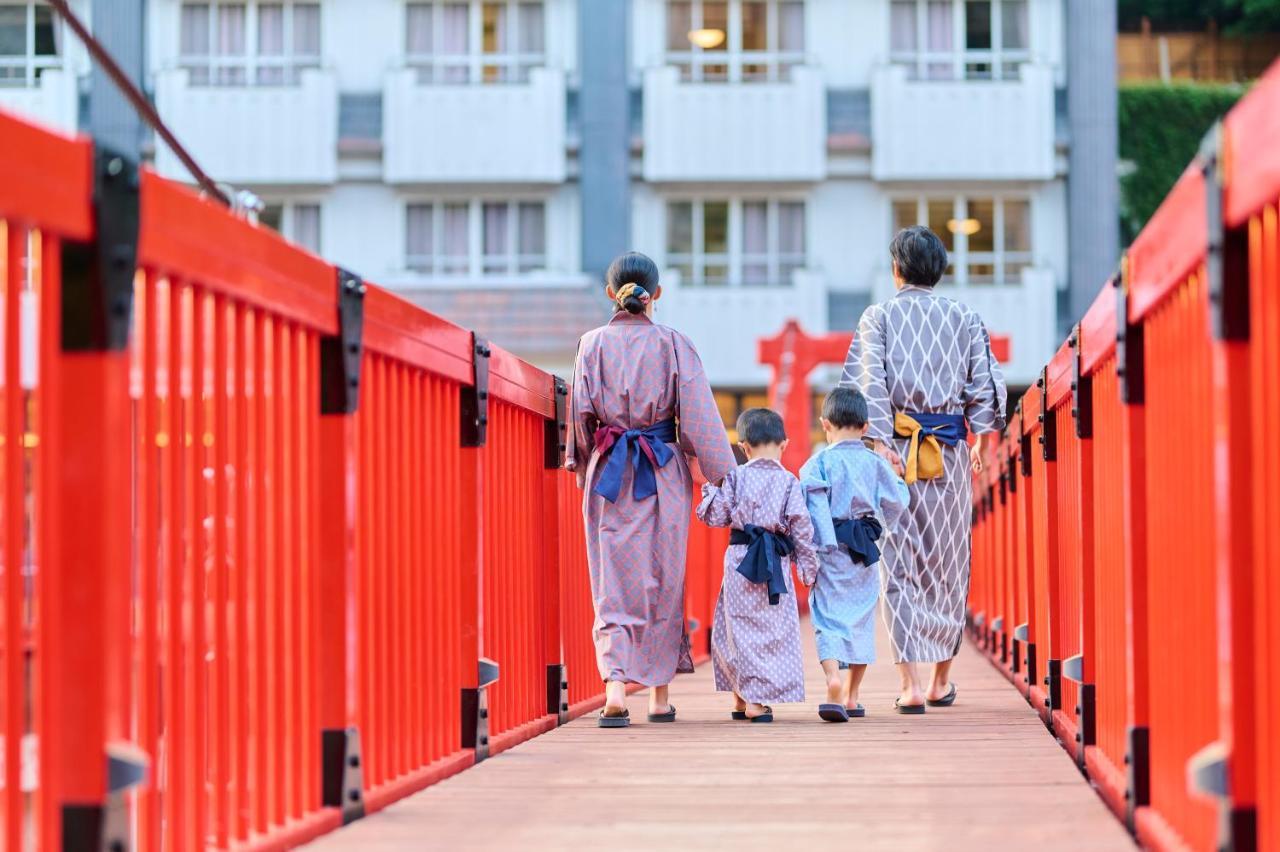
x,y
968,227
706,39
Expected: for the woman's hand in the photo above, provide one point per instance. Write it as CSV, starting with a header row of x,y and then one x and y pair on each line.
x,y
890,455
975,457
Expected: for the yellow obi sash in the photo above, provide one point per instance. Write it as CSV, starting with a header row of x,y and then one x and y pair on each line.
x,y
925,430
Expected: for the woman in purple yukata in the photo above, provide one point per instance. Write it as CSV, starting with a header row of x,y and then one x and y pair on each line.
x,y
641,410
755,638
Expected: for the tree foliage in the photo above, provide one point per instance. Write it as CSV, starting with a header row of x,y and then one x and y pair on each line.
x,y
1161,127
1238,17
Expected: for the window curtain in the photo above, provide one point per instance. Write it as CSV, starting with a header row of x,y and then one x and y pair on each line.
x,y
531,238
306,31
454,238
418,242
791,228
791,27
231,43
306,226
271,44
679,23
941,35
454,40
902,26
418,29
1014,24
193,42
532,29
755,243
497,248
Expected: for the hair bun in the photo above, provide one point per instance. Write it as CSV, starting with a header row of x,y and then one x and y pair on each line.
x,y
633,277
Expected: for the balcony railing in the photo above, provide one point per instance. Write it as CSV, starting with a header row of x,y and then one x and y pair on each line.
x,y
51,99
767,131
1025,311
451,133
277,134
726,330
960,129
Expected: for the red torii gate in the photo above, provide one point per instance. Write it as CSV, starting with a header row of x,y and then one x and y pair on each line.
x,y
793,354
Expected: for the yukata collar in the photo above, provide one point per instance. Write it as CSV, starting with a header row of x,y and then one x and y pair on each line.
x,y
628,318
855,443
773,462
913,290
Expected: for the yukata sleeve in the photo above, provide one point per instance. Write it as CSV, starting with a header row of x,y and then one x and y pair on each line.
x,y
800,529
864,369
702,433
582,420
985,394
892,493
817,498
716,508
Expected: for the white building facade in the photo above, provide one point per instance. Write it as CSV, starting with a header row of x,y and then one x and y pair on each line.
x,y
774,147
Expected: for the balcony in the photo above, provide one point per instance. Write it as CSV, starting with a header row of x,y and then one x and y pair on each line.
x,y
734,131
253,134
469,133
725,330
1026,313
958,130
53,101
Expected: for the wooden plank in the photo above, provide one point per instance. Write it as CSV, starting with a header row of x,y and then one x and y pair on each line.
x,y
982,774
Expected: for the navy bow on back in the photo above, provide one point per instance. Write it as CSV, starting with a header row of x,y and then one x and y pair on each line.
x,y
860,536
648,450
764,560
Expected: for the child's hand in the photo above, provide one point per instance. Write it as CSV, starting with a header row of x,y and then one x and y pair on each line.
x,y
890,455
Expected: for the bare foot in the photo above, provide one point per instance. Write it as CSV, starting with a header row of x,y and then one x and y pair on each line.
x,y
615,698
937,692
835,689
911,699
739,703
852,702
754,710
658,703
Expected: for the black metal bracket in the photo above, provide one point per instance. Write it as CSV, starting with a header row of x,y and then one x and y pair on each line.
x,y
1131,359
475,397
554,440
1137,760
557,693
83,828
1024,454
1239,830
1048,422
1081,390
1030,676
1053,683
97,277
342,772
475,710
1227,259
1013,475
342,353
1004,483
1087,712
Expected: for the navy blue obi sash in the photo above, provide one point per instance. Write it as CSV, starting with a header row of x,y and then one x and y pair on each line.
x,y
860,536
647,449
763,562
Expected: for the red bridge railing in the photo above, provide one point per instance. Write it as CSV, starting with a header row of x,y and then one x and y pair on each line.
x,y
269,532
1126,571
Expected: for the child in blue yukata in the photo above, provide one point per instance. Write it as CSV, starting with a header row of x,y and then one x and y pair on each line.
x,y
846,486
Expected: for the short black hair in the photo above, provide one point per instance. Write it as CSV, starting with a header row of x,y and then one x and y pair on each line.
x,y
920,255
759,427
845,408
632,268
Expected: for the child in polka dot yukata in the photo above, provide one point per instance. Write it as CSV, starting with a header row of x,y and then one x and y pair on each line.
x,y
847,485
755,637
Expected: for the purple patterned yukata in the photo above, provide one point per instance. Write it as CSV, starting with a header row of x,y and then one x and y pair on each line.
x,y
755,647
633,374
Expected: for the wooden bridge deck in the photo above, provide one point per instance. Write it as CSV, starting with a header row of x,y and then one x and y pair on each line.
x,y
980,775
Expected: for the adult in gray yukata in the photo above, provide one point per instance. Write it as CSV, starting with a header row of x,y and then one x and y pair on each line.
x,y
920,352
632,376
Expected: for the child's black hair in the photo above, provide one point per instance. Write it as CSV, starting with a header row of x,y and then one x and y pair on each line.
x,y
632,268
845,408
759,427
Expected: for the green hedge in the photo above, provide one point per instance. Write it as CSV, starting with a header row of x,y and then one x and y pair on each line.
x,y
1161,127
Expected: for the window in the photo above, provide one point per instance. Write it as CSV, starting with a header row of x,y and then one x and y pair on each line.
x,y
299,223
960,39
254,43
741,242
461,41
735,40
988,239
508,238
30,42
